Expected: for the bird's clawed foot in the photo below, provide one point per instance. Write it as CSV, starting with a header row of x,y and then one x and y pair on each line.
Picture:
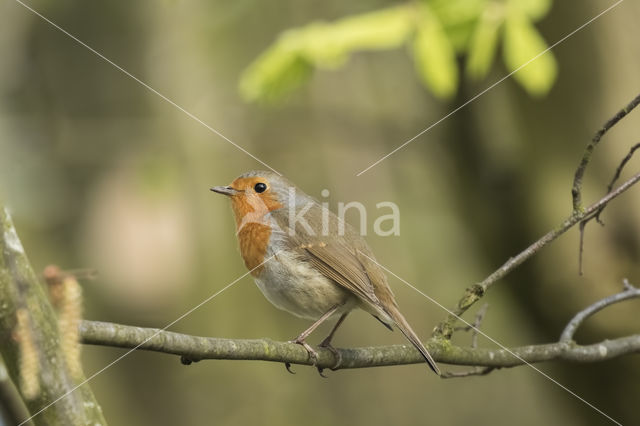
x,y
313,355
336,354
326,343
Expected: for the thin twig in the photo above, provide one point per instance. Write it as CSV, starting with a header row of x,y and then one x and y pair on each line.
x,y
581,244
597,214
576,190
479,317
616,176
629,292
474,328
579,213
476,291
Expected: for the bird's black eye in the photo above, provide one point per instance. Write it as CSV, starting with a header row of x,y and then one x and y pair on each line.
x,y
260,187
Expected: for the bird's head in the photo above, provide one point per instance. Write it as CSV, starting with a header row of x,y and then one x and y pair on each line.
x,y
256,193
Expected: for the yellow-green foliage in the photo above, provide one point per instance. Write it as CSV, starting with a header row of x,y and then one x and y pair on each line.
x,y
289,61
434,55
523,43
437,31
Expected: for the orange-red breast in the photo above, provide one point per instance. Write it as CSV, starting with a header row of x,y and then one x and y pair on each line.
x,y
306,260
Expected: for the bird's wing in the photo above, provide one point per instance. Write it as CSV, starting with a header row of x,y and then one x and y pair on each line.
x,y
336,257
337,261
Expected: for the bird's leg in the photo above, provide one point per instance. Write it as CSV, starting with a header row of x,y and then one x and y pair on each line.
x,y
326,343
300,340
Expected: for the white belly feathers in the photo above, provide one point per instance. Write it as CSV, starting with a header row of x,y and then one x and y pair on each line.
x,y
297,288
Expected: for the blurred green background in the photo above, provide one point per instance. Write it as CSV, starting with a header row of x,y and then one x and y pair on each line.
x,y
99,172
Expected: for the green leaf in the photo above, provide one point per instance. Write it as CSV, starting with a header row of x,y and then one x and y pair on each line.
x,y
328,44
435,56
290,60
458,19
484,41
523,53
534,9
279,70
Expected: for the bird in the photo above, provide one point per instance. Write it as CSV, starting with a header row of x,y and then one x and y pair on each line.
x,y
308,261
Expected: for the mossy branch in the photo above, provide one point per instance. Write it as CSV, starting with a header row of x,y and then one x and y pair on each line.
x,y
196,348
199,348
30,343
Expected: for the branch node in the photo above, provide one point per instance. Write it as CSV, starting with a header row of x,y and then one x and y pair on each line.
x,y
186,360
476,371
627,285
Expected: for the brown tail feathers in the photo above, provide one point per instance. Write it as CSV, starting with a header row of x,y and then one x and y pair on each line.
x,y
411,335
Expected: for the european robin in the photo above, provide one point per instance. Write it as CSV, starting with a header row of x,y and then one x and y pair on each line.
x,y
307,261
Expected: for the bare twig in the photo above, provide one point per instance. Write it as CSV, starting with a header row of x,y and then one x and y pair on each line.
x,y
597,214
629,292
576,190
475,327
583,224
579,214
476,291
623,163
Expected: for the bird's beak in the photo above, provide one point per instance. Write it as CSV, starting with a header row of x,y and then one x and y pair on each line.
x,y
224,190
